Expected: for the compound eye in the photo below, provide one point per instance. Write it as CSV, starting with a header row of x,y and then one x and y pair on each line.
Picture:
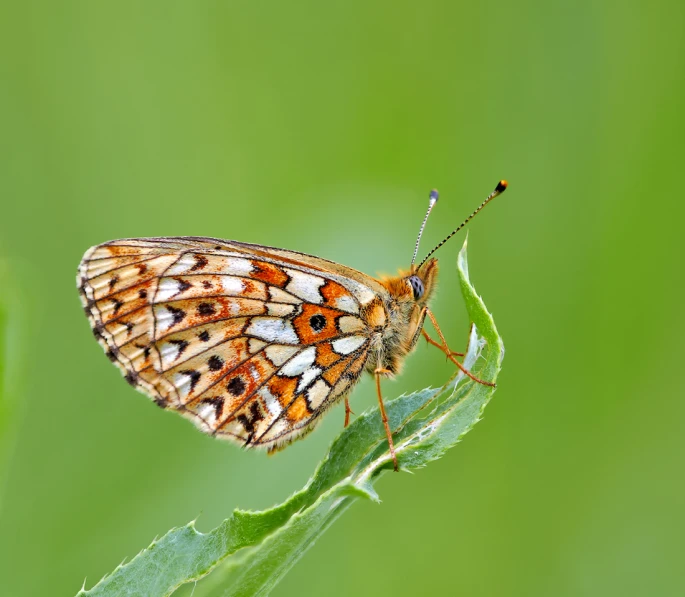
x,y
417,287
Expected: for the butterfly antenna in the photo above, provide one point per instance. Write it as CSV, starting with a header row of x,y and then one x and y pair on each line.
x,y
433,199
499,189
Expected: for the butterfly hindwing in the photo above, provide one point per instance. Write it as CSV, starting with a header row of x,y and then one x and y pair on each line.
x,y
250,342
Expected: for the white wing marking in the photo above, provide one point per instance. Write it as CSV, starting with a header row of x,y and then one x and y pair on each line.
x,y
305,286
271,402
280,354
347,304
307,377
300,363
280,331
350,324
281,296
279,309
347,345
317,393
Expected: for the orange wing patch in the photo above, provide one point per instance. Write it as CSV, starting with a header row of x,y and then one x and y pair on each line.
x,y
337,296
269,273
333,374
298,411
283,388
356,367
316,323
325,355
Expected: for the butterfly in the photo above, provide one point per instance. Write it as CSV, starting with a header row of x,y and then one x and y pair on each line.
x,y
254,343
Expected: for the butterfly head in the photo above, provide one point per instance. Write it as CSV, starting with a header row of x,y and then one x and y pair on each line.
x,y
422,280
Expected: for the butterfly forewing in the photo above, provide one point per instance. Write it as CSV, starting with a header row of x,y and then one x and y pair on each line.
x,y
252,343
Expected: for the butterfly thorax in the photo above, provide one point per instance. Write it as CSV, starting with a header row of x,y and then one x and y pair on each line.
x,y
397,321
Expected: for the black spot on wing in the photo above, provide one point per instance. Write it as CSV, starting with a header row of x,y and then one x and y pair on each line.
x,y
217,402
181,344
206,309
117,305
215,363
236,386
178,314
249,421
200,263
317,322
183,285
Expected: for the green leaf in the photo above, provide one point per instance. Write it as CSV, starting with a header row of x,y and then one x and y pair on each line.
x,y
251,551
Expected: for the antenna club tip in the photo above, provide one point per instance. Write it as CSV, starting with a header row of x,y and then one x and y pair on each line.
x,y
501,186
434,195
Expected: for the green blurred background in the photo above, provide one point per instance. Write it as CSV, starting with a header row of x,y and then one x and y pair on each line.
x,y
321,127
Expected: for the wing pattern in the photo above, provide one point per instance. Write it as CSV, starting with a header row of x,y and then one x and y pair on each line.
x,y
251,343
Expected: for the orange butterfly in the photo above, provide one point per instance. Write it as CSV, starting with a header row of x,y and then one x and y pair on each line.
x,y
253,343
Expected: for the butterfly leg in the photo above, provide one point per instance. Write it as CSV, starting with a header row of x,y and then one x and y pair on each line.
x,y
449,353
348,411
440,346
378,372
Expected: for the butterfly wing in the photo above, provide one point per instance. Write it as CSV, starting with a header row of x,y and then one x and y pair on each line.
x,y
250,342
